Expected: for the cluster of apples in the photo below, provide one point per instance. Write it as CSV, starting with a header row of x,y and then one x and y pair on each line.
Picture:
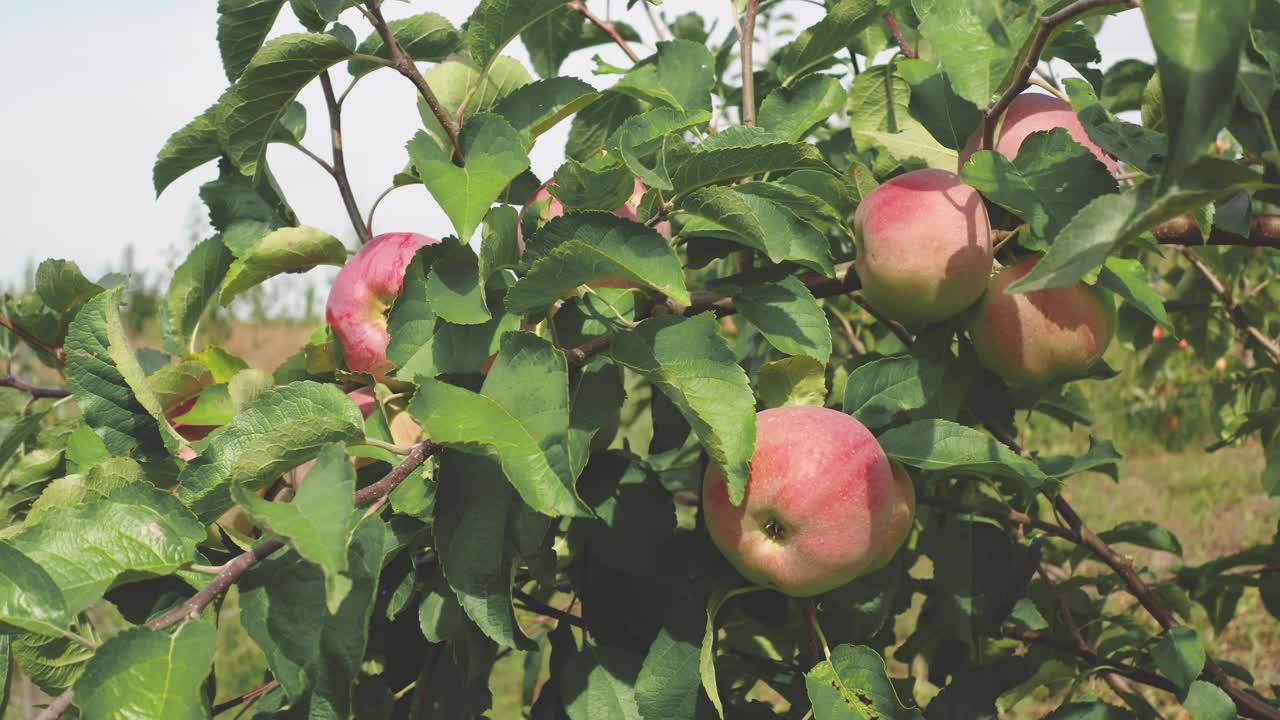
x,y
824,504
925,255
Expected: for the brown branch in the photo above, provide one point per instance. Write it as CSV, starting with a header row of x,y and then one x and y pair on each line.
x,y
248,697
746,37
339,166
607,27
1234,310
894,327
237,566
32,340
401,61
35,392
421,699
1007,515
1092,658
1047,24
532,604
907,50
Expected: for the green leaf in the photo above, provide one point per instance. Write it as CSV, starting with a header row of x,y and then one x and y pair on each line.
x,y
1206,701
149,674
1127,278
110,386
503,424
882,390
315,14
244,209
474,501
976,42
914,147
494,157
578,187
1180,655
1102,457
692,364
1052,179
318,521
195,144
735,155
596,397
313,653
194,285
458,81
575,249
283,428
791,112
29,599
707,653
945,445
426,37
949,118
551,39
797,380
1141,147
136,531
287,250
499,241
854,683
980,571
1197,44
680,77
643,134
1089,711
1144,533
591,129
783,310
878,101
52,663
494,23
759,223
63,288
454,288
248,113
599,682
537,107
815,45
243,25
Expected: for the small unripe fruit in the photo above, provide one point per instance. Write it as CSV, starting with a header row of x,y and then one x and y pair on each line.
x,y
1183,344
362,295
823,505
1157,333
924,246
1044,336
1033,112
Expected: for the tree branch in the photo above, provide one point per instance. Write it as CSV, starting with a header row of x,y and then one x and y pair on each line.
x,y
1092,658
248,697
907,50
607,27
534,605
16,383
1234,309
1047,24
401,61
339,166
1008,515
32,340
746,37
237,566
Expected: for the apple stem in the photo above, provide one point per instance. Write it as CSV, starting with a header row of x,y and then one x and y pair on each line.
x,y
820,638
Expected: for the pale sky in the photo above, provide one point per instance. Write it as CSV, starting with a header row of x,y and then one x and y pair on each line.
x,y
92,90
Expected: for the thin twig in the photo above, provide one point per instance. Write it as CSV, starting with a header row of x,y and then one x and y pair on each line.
x,y
377,202
1234,309
746,36
894,327
403,63
1092,658
659,30
606,26
237,566
1044,31
421,700
35,392
339,168
248,697
1007,515
1264,231
532,604
906,49
32,340
389,447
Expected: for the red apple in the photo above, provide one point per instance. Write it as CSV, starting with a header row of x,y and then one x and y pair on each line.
x,y
924,246
1157,333
362,295
823,504
1032,112
1043,336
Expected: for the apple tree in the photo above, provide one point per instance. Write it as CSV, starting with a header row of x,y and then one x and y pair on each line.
x,y
726,418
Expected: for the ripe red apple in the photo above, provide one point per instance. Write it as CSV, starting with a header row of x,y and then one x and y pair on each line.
x,y
363,294
823,503
1043,336
549,208
924,246
1032,112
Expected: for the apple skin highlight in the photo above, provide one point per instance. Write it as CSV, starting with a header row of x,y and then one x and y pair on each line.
x,y
822,507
